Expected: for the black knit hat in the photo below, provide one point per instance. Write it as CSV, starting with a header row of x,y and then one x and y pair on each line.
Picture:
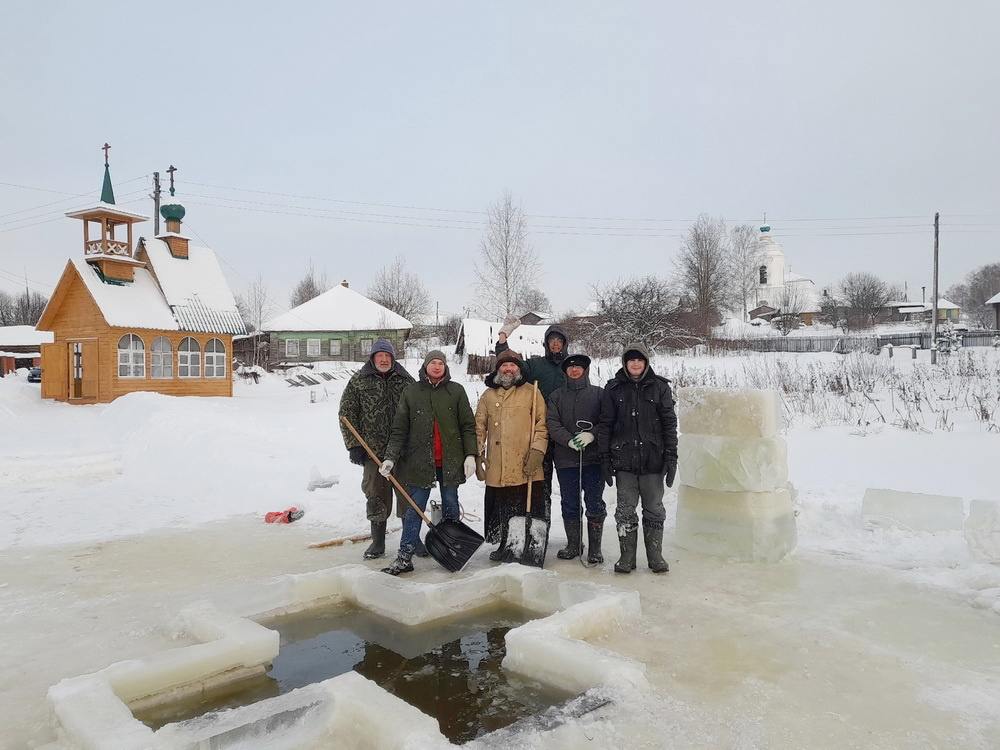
x,y
577,360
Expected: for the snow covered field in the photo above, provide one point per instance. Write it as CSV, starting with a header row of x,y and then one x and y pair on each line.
x,y
117,515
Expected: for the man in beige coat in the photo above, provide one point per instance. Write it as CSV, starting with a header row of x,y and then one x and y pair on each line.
x,y
511,447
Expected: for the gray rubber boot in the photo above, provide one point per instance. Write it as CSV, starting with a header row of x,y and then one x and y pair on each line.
x,y
653,537
402,564
377,548
573,532
595,531
627,540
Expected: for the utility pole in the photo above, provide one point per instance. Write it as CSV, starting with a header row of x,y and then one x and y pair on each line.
x,y
156,203
934,319
437,314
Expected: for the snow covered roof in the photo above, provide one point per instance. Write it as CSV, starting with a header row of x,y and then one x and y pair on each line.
x,y
195,288
23,336
138,304
910,308
338,309
994,300
792,277
943,304
480,336
104,208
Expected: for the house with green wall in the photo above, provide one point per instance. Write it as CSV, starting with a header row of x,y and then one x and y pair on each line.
x,y
339,325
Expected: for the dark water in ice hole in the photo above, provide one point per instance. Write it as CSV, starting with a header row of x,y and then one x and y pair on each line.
x,y
449,670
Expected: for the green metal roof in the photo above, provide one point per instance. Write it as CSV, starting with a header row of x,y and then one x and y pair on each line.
x,y
107,192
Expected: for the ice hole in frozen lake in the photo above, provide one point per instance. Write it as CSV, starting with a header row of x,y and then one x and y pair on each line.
x,y
450,670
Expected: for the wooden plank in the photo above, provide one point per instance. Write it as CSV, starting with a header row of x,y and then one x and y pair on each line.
x,y
55,383
91,369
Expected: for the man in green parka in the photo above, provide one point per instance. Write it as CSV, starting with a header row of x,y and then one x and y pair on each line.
x,y
433,441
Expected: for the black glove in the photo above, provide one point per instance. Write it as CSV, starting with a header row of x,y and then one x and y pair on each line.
x,y
607,471
671,472
358,455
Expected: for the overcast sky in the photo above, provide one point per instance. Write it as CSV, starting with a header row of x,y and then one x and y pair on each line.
x,y
349,133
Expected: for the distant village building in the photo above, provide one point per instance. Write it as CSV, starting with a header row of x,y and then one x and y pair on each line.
x,y
21,346
947,311
777,286
479,337
339,325
994,301
160,318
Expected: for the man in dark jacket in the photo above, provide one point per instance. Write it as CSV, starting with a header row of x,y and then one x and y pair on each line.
x,y
369,402
433,441
547,372
574,411
637,436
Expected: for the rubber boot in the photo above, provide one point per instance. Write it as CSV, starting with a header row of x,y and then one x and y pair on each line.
x,y
653,537
419,549
627,540
595,531
572,548
497,555
377,548
402,564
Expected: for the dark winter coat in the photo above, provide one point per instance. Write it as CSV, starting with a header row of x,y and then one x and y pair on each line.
x,y
411,445
369,402
545,370
575,400
638,427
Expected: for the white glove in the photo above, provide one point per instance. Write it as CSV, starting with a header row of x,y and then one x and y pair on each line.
x,y
469,466
386,468
581,440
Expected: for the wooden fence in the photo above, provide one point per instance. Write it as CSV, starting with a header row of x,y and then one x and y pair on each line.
x,y
847,343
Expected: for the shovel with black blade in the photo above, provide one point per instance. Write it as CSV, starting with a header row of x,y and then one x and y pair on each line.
x,y
451,543
527,537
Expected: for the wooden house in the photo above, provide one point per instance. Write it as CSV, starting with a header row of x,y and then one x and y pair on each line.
x,y
159,319
994,301
20,347
339,325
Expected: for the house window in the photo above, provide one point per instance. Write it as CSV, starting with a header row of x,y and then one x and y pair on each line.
x,y
162,358
215,359
763,274
312,347
189,359
334,347
291,347
131,357
366,347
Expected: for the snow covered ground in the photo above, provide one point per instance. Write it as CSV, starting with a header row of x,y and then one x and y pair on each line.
x,y
117,515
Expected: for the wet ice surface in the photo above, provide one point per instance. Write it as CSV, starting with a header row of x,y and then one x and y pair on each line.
x,y
815,651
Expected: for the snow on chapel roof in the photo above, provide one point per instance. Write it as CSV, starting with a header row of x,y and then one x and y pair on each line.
x,y
138,304
338,309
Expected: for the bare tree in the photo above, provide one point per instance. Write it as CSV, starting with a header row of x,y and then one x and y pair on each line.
x,y
790,303
865,294
449,330
744,262
22,309
644,309
508,265
400,290
703,269
309,286
535,300
8,310
971,295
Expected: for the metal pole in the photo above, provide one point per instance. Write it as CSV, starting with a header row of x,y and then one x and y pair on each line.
x,y
156,203
934,319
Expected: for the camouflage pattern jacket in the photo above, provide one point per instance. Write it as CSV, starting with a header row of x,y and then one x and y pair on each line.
x,y
370,401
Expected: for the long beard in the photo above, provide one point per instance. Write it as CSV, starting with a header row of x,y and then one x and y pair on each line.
x,y
506,380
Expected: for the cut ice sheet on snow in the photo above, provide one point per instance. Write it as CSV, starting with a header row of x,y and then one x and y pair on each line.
x,y
912,511
733,464
319,482
982,530
712,411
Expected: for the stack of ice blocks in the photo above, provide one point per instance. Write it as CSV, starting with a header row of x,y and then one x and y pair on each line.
x,y
734,499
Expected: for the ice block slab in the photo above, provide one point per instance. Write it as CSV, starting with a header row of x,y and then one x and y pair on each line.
x,y
711,411
982,530
733,464
912,511
745,526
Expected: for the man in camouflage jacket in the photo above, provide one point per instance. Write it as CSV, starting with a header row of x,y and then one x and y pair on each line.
x,y
369,402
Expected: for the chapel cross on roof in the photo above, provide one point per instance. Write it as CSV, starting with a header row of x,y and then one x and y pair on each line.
x,y
105,148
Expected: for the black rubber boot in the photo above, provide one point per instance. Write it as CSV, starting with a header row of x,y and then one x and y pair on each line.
x,y
419,549
402,564
499,554
572,548
653,537
595,531
627,540
377,548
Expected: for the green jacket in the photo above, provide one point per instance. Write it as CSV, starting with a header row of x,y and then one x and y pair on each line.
x,y
546,373
411,445
369,402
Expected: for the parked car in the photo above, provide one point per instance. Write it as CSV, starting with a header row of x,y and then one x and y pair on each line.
x,y
35,375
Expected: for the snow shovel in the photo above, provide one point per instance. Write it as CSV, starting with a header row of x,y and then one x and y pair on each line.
x,y
527,537
451,543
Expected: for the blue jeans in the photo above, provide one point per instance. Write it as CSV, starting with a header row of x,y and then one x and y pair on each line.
x,y
593,491
412,521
